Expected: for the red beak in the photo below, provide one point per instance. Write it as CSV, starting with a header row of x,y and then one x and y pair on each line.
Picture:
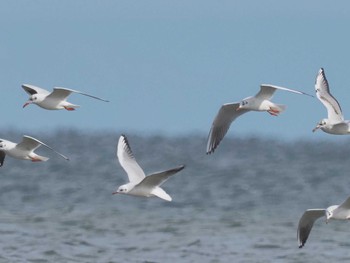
x,y
26,104
114,193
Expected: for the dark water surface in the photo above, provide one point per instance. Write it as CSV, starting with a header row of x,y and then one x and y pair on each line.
x,y
241,204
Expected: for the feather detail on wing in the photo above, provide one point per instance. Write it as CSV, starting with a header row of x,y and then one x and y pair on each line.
x,y
128,161
334,110
31,144
31,90
306,223
2,158
266,91
226,115
157,179
63,93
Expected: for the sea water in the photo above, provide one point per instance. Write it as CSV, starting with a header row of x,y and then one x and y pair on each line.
x,y
240,204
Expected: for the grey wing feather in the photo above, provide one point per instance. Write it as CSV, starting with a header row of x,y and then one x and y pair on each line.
x,y
306,223
31,89
267,91
222,122
30,144
128,161
324,95
2,158
64,93
345,204
59,94
157,179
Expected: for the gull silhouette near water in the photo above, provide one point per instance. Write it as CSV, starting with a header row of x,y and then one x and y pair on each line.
x,y
140,184
334,123
55,100
24,150
340,212
230,111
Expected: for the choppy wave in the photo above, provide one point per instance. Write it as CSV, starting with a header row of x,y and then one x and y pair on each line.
x,y
241,204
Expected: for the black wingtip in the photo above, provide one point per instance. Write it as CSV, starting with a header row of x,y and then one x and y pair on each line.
x,y
212,149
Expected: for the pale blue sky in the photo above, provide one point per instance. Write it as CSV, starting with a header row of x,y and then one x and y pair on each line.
x,y
167,66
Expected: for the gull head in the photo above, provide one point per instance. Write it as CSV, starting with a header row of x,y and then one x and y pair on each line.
x,y
123,189
322,123
35,98
2,144
244,104
329,212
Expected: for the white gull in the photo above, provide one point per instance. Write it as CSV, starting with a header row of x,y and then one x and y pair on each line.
x,y
24,150
55,100
340,212
141,185
230,111
334,123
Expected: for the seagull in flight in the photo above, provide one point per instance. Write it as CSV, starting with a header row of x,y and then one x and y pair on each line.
x,y
141,185
230,111
340,212
55,100
335,123
24,150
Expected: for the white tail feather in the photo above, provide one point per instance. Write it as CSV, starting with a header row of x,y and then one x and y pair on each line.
x,y
161,194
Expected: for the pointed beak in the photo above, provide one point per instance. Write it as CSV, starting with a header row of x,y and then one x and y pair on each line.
x,y
316,128
239,108
114,193
27,103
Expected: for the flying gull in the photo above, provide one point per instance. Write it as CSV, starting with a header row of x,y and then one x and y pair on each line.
x,y
141,185
230,111
335,123
24,150
340,212
55,100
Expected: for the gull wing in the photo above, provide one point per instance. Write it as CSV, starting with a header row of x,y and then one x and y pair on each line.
x,y
345,204
226,115
31,144
323,94
2,158
128,161
31,90
306,222
62,94
157,179
266,91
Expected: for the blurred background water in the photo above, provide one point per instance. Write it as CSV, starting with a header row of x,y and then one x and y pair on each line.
x,y
241,204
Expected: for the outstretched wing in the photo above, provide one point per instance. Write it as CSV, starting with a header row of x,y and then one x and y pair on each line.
x,y
323,94
31,90
226,115
267,91
63,93
345,204
128,161
157,179
306,222
2,158
30,144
